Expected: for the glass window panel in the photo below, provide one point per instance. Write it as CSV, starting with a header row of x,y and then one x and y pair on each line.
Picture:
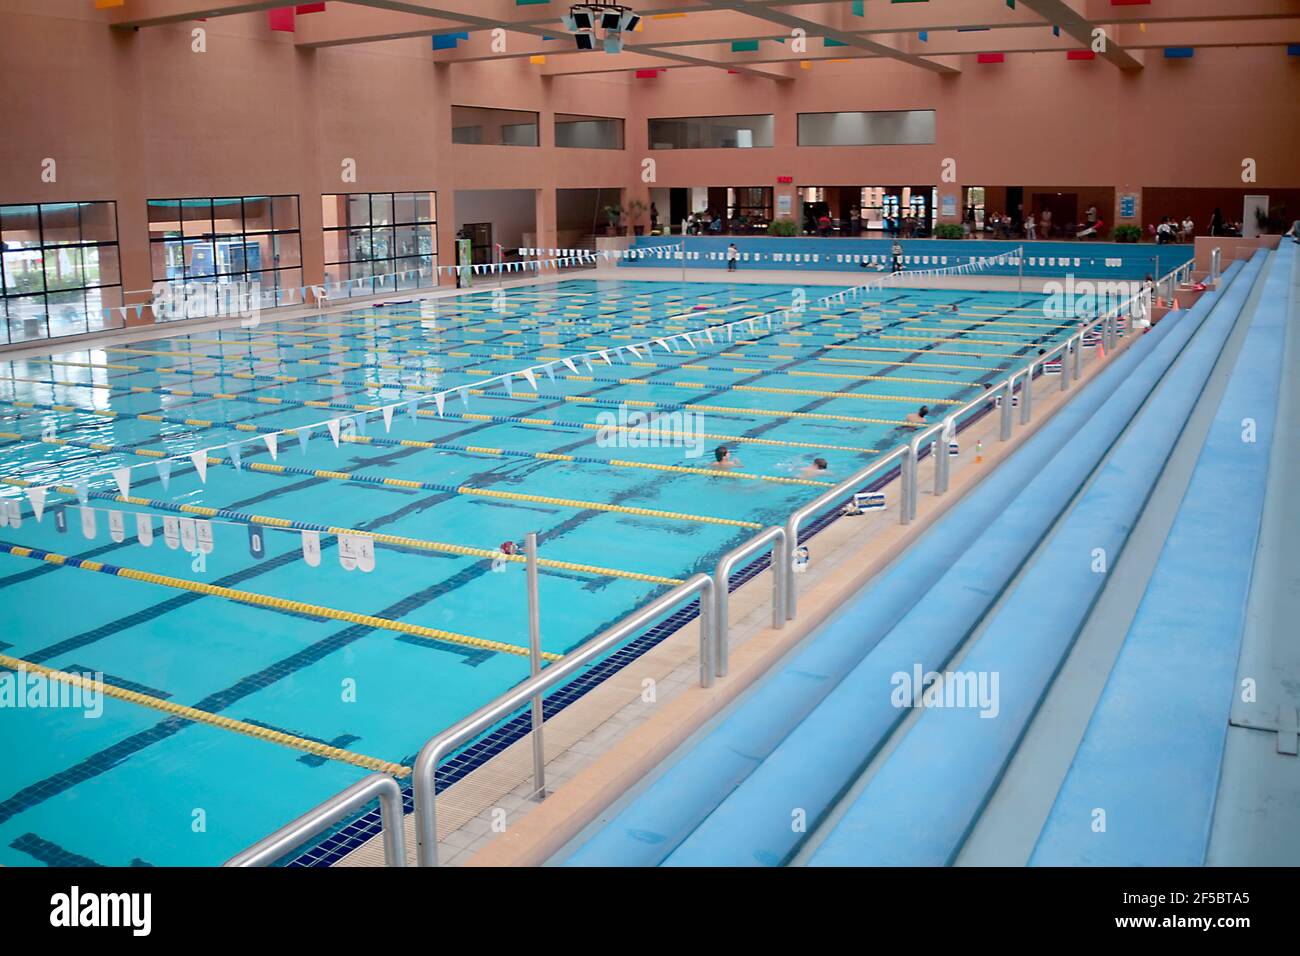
x,y
168,258
257,214
359,209
334,211
284,210
286,250
381,243
20,227
67,312
336,246
97,300
588,132
426,207
711,132
196,217
99,222
358,245
404,208
259,252
27,319
200,260
101,265
381,209
228,216
164,212
405,244
60,223
24,271
876,128
493,127
63,268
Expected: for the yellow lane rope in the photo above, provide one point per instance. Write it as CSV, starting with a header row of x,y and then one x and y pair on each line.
x,y
207,717
274,603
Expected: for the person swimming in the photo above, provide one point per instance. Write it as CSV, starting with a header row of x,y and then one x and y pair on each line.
x,y
816,469
920,415
724,460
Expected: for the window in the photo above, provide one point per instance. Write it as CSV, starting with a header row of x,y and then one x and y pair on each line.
x,y
882,128
253,239
483,126
59,270
380,242
711,132
588,132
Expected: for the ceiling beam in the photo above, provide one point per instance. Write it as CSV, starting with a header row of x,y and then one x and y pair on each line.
x,y
1073,24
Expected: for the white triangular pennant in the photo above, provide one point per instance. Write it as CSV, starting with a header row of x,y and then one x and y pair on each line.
x,y
333,426
568,362
37,497
164,466
388,418
531,379
272,444
123,478
438,401
200,461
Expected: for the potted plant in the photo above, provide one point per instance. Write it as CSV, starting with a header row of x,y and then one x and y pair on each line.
x,y
1127,233
612,215
635,210
782,227
949,230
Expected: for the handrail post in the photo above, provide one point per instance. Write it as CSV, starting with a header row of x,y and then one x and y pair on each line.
x,y
914,478
906,468
782,556
1065,366
942,464
1078,357
1008,390
535,664
1027,395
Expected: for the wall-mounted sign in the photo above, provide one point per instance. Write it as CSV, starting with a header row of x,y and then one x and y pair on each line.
x,y
1128,206
785,180
783,205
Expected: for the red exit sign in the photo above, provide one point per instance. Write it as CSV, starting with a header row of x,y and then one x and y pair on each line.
x,y
785,179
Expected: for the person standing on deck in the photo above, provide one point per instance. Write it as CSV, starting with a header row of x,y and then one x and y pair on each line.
x,y
896,257
733,257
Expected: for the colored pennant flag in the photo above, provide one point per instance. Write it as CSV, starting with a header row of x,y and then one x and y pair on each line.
x,y
82,490
304,436
438,401
509,382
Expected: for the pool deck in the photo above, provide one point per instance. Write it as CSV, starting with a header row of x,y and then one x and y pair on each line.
x,y
601,748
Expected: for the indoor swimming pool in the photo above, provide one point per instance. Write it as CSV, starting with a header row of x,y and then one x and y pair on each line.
x,y
250,673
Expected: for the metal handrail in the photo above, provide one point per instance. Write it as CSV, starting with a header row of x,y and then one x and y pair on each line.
x,y
373,786
781,569
431,754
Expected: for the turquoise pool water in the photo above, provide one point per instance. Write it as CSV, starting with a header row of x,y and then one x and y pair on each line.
x,y
136,785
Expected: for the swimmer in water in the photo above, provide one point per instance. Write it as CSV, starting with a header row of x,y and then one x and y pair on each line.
x,y
919,415
817,469
724,460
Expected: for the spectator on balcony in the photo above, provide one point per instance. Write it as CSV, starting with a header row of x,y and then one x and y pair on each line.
x,y
1216,222
1188,229
1165,232
1045,224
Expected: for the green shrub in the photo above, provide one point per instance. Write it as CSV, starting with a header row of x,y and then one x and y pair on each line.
x,y
1127,234
949,230
782,227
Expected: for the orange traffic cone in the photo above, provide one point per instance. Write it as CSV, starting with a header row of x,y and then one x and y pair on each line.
x,y
1177,307
1101,347
979,452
